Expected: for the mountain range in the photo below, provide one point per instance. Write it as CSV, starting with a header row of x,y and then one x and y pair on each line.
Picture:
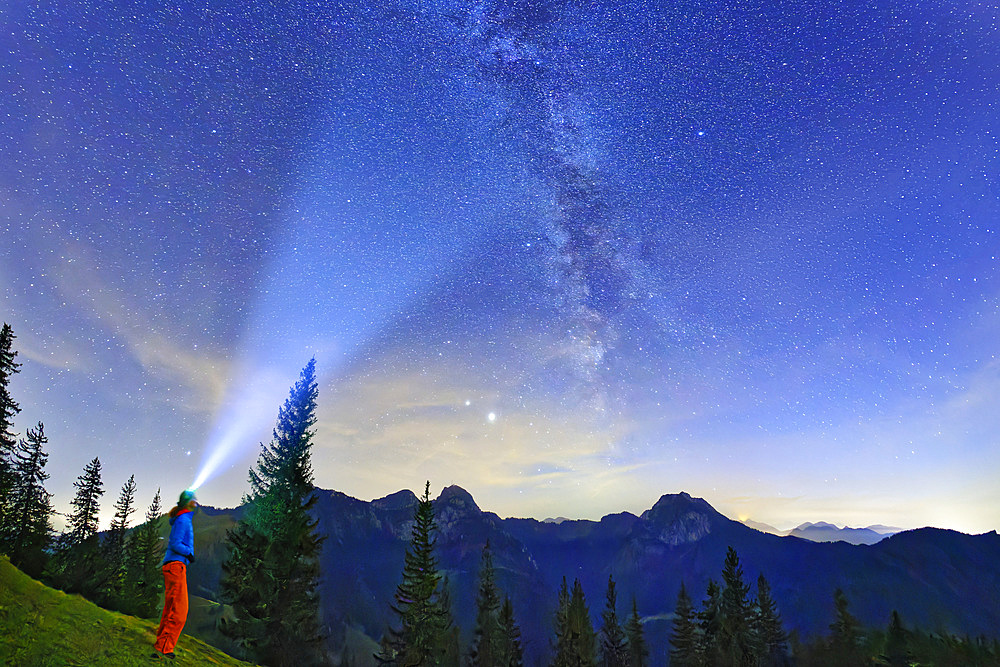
x,y
822,531
938,580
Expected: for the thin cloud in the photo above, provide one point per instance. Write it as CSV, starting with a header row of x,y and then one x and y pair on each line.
x,y
203,377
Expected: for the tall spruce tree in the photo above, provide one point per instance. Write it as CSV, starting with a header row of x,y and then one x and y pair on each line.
x,y
487,640
897,652
77,557
31,504
709,623
124,508
685,639
423,637
562,647
143,580
576,642
613,646
8,439
272,571
83,521
735,638
638,651
845,638
511,653
112,579
771,637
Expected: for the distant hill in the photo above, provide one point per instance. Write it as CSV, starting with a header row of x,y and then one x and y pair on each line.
x,y
885,530
827,532
763,527
938,580
42,626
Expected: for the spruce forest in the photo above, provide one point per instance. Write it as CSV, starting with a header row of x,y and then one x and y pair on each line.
x,y
272,577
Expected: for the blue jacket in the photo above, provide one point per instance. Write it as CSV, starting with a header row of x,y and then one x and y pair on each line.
x,y
181,545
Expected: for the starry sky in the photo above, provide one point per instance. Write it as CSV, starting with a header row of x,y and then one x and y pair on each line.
x,y
567,254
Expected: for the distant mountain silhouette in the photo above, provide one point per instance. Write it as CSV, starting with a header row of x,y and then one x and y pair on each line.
x,y
936,579
763,527
885,530
822,531
827,532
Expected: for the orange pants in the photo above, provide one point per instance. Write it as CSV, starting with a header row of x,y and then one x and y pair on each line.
x,y
175,606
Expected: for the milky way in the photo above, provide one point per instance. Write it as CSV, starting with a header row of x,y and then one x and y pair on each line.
x,y
569,255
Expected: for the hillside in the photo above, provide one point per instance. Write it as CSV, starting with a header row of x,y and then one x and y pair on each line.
x,y
41,626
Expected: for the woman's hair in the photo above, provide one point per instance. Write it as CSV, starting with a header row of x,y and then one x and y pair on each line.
x,y
183,502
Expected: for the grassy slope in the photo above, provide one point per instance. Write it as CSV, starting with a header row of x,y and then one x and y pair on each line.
x,y
40,626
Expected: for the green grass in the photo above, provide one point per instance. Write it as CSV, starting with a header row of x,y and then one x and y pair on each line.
x,y
42,627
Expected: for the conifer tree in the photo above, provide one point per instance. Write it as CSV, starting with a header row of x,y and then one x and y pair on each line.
x,y
77,556
144,581
112,579
896,643
31,506
638,651
614,651
421,603
771,637
562,647
246,586
684,641
709,623
511,653
8,439
124,508
735,639
272,571
576,642
82,522
487,639
845,640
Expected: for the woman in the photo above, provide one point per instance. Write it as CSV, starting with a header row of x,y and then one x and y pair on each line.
x,y
180,552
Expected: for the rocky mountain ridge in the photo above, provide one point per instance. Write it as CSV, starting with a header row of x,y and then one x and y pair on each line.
x,y
936,579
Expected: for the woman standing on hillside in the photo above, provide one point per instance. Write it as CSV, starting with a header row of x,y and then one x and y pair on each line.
x,y
180,552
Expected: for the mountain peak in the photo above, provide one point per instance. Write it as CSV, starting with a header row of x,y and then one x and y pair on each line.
x,y
457,497
678,518
404,499
821,524
678,503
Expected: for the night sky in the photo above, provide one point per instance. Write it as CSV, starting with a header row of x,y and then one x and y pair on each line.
x,y
568,255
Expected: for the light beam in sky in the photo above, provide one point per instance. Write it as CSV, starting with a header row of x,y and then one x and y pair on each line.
x,y
250,408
